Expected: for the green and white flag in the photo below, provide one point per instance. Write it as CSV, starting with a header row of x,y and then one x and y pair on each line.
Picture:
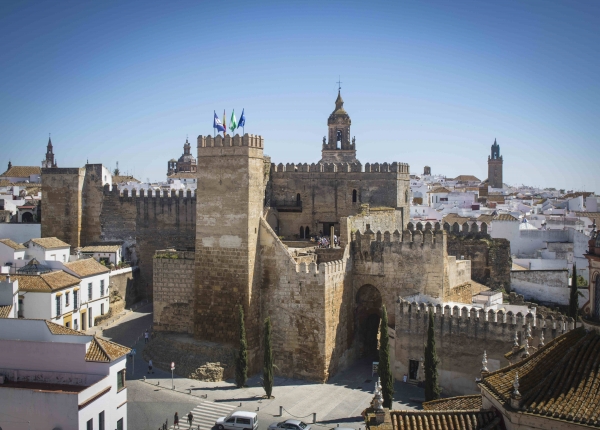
x,y
232,122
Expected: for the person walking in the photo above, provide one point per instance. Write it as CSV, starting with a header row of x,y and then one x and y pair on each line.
x,y
150,366
190,419
146,336
176,420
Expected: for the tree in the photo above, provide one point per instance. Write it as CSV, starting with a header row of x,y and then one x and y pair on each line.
x,y
432,387
268,360
574,296
384,371
241,362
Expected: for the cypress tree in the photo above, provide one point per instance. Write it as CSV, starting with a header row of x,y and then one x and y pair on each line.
x,y
268,360
241,363
432,387
574,297
384,371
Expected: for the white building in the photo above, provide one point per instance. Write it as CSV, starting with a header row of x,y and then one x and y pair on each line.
x,y
48,249
9,299
54,377
10,251
107,253
94,295
51,296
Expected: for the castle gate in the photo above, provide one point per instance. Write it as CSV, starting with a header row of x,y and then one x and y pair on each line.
x,y
367,317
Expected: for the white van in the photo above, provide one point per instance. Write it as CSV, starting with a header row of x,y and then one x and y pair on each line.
x,y
239,420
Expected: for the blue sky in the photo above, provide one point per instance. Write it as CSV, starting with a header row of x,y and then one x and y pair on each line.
x,y
427,82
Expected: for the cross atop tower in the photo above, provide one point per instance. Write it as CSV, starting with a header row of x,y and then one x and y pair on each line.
x,y
339,82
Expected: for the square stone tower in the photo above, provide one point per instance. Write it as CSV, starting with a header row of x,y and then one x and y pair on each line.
x,y
495,161
230,199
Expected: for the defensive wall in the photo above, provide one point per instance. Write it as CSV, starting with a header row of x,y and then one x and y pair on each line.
x,y
310,307
400,264
315,195
174,296
461,336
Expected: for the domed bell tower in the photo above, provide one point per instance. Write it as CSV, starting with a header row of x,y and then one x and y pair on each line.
x,y
337,147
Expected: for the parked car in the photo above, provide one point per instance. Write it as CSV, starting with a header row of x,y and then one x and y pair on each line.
x,y
238,420
290,425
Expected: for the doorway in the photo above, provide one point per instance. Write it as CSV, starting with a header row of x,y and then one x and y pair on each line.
x,y
413,369
368,317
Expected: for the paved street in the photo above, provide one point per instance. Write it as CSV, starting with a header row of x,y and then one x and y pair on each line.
x,y
340,401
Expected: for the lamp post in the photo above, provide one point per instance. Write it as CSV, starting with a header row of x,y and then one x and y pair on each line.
x,y
172,380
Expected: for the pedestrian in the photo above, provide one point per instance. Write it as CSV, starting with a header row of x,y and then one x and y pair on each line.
x,y
146,336
190,419
150,366
176,420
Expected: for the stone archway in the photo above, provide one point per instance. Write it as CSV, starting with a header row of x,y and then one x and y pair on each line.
x,y
368,315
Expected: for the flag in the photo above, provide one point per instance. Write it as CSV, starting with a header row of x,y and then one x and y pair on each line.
x,y
217,124
224,123
233,124
242,122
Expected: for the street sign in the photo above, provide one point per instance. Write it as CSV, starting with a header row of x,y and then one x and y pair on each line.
x,y
133,351
172,365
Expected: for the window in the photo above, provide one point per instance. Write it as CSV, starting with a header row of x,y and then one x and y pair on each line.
x,y
75,325
64,258
120,424
67,299
354,196
102,288
58,312
243,421
101,421
121,380
90,320
75,303
90,424
101,308
89,291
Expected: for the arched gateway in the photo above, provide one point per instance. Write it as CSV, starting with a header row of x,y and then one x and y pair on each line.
x,y
368,315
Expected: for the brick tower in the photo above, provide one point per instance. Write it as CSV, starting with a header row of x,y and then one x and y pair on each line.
x,y
495,167
230,200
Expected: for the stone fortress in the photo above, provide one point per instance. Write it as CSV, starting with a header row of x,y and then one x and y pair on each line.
x,y
241,238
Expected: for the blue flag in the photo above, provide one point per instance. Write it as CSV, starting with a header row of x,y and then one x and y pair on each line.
x,y
218,124
242,121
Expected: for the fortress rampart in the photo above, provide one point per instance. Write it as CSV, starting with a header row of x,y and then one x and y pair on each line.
x,y
462,335
342,167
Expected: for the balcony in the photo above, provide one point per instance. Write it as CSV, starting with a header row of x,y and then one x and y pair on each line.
x,y
287,205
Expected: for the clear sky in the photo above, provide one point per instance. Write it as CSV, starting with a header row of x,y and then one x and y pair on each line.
x,y
425,82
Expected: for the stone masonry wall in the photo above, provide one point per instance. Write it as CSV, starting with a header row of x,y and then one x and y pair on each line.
x,y
461,337
490,259
127,285
62,204
173,285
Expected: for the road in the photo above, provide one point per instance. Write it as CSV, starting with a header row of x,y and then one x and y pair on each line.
x,y
152,401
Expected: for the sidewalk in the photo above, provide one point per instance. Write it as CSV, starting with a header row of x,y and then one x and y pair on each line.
x,y
97,330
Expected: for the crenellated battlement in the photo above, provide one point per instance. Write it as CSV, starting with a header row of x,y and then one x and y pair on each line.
x,y
417,238
394,167
330,268
141,193
249,140
473,322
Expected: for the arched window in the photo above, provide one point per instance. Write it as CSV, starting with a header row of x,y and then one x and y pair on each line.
x,y
354,196
301,232
307,232
298,199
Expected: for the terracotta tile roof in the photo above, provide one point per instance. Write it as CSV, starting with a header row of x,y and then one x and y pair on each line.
x,y
4,182
505,217
22,171
49,242
59,329
467,178
560,381
11,244
447,420
439,190
86,267
452,218
485,218
461,403
101,248
46,282
105,351
120,179
5,311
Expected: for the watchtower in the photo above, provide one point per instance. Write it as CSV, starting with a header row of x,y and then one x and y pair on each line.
x,y
230,199
337,147
495,167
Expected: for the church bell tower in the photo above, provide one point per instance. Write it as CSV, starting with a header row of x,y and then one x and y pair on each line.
x,y
495,161
337,146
